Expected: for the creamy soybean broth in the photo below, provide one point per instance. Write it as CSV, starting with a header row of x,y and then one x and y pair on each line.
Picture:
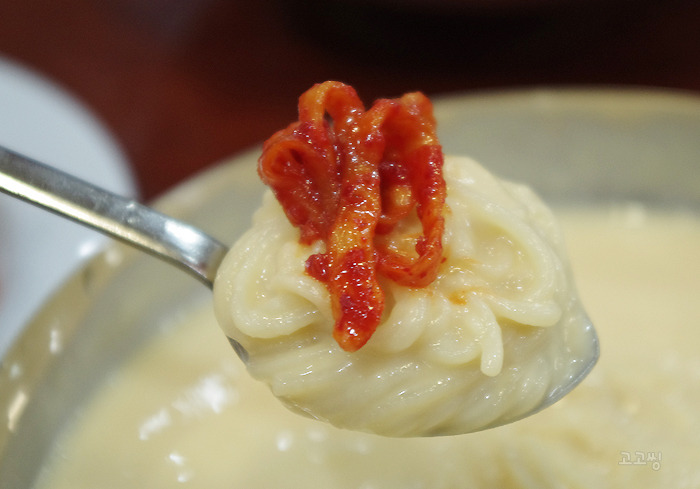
x,y
184,412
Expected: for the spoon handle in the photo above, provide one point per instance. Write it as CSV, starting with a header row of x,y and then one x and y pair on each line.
x,y
119,217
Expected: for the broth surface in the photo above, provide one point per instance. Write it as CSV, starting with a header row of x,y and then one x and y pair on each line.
x,y
184,411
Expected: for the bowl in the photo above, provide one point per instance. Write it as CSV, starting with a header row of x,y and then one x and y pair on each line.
x,y
573,146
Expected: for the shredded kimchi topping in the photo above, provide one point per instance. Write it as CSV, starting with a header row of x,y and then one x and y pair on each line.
x,y
346,175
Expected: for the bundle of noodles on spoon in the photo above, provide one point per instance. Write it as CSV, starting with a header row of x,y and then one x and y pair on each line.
x,y
383,287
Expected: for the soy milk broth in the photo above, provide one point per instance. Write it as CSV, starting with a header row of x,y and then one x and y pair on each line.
x,y
183,411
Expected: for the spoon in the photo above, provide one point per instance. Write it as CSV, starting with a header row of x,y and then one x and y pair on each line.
x,y
162,236
124,219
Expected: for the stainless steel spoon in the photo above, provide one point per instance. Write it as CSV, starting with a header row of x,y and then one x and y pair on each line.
x,y
145,228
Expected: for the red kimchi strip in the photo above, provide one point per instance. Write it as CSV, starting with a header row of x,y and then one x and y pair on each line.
x,y
345,175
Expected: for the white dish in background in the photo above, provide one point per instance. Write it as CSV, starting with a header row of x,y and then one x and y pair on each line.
x,y
37,249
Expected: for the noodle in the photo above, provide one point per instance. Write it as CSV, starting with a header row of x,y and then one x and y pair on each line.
x,y
502,317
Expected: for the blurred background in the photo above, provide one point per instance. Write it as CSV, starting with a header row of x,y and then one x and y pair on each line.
x,y
182,84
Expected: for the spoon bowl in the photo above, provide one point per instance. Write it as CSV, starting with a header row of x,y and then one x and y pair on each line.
x,y
164,237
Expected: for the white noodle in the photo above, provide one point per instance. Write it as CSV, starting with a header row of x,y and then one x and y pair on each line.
x,y
504,275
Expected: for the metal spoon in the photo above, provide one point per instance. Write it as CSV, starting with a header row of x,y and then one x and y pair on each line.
x,y
145,228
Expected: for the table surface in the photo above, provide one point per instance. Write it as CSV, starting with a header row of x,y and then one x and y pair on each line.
x,y
184,84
